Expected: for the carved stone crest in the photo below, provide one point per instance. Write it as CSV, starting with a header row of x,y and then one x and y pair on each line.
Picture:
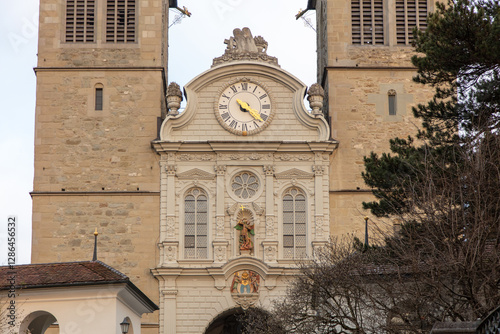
x,y
245,288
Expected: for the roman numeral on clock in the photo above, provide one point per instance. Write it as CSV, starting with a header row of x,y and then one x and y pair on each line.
x,y
234,89
266,106
222,106
264,117
233,124
263,96
225,116
244,127
244,85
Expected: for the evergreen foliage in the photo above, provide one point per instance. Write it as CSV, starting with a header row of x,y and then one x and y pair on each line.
x,y
460,58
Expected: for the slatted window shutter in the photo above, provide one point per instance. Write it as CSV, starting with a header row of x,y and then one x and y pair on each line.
x,y
409,14
121,21
367,19
80,21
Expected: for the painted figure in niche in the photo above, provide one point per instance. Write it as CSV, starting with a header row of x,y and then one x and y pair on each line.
x,y
246,232
245,281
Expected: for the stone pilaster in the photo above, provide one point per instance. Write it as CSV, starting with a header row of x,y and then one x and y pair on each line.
x,y
170,223
219,208
270,219
318,201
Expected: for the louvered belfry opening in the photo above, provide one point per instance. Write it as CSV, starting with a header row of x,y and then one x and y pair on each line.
x,y
120,21
80,21
409,14
367,22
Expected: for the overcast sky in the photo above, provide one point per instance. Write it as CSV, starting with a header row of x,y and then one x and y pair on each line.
x,y
194,42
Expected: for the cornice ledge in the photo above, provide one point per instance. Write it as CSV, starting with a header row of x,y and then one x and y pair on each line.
x,y
324,146
158,272
163,146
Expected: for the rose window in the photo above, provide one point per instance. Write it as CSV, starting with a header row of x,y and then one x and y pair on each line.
x,y
245,185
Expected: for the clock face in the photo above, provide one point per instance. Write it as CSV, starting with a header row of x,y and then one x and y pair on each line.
x,y
244,108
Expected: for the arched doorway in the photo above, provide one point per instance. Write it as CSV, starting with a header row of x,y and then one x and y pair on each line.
x,y
228,322
37,323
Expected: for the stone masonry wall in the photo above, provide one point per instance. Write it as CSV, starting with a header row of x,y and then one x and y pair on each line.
x,y
80,149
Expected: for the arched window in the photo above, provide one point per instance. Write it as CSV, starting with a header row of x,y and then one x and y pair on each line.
x,y
294,224
392,102
196,224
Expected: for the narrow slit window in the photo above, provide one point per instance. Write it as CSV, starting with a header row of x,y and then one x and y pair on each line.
x,y
392,102
98,98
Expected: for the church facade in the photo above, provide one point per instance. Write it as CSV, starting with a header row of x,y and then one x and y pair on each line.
x,y
208,210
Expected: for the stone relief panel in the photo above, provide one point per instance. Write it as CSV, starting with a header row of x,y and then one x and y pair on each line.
x,y
219,227
270,252
195,157
248,157
169,252
319,226
293,157
220,251
170,227
270,227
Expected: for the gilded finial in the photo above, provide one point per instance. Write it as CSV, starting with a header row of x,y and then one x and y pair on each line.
x,y
366,218
95,232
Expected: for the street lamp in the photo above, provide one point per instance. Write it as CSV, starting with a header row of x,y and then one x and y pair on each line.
x,y
124,326
366,234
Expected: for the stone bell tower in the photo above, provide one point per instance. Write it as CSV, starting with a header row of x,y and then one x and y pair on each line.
x,y
364,66
101,73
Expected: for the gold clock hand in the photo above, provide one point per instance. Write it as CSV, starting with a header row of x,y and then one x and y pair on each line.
x,y
244,105
254,113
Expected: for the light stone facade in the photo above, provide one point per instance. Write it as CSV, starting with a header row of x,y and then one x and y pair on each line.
x,y
197,153
127,168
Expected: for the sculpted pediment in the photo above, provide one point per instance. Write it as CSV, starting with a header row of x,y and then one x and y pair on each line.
x,y
197,174
294,173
